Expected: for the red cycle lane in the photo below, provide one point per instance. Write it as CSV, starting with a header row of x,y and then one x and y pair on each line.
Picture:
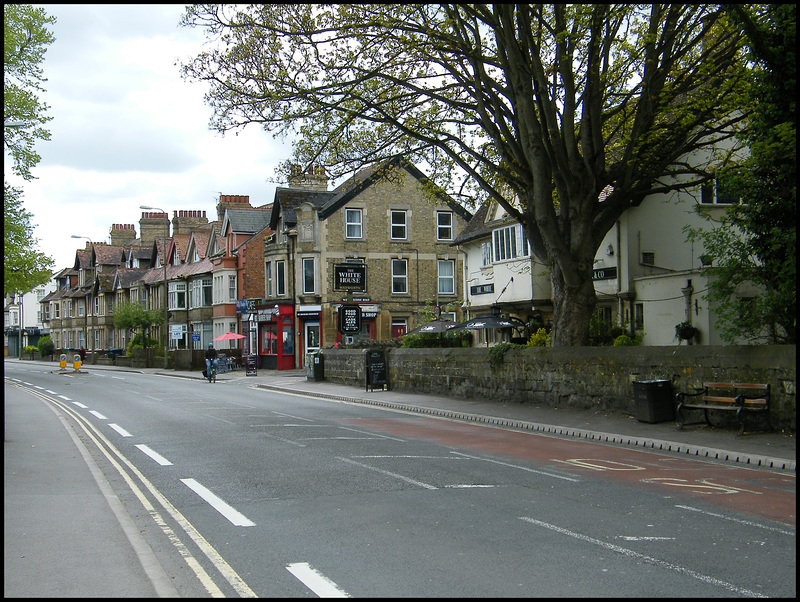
x,y
759,493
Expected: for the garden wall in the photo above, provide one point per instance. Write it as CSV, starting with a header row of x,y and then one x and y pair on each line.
x,y
598,378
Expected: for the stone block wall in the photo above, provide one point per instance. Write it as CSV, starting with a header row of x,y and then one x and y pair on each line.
x,y
599,378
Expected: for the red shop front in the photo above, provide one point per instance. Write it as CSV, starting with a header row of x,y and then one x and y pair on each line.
x,y
276,337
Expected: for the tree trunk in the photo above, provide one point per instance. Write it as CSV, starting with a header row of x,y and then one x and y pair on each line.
x,y
572,308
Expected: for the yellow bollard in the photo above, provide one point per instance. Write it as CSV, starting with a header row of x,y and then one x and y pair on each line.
x,y
62,363
76,362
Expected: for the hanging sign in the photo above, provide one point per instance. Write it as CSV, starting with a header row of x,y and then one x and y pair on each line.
x,y
350,319
349,277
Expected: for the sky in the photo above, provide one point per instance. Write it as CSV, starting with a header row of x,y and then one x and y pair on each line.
x,y
128,130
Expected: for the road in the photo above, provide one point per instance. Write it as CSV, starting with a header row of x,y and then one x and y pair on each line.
x,y
241,491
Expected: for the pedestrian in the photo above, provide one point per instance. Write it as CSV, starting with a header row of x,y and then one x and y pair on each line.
x,y
82,353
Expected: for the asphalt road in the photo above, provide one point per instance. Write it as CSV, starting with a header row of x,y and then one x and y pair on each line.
x,y
245,492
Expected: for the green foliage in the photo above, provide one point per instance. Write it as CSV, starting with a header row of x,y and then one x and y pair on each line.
x,y
625,340
495,99
602,333
540,338
753,278
46,346
497,354
25,42
133,316
447,339
30,349
140,341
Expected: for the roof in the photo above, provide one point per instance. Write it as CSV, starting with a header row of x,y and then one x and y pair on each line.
x,y
365,178
108,255
287,200
125,277
246,221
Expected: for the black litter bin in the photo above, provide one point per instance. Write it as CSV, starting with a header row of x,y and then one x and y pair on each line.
x,y
654,400
315,369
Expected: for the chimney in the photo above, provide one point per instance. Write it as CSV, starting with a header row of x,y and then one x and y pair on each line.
x,y
153,225
122,234
183,221
232,201
314,179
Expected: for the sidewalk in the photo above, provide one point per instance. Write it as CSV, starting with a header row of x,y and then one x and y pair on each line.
x,y
772,450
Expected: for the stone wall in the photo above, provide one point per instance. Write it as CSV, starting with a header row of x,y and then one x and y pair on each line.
x,y
598,378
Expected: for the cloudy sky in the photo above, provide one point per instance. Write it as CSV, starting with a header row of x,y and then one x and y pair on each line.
x,y
127,130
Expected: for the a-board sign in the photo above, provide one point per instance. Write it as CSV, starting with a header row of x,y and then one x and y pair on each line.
x,y
251,365
376,370
349,319
349,277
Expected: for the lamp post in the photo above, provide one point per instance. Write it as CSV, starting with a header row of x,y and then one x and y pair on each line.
x,y
164,261
88,304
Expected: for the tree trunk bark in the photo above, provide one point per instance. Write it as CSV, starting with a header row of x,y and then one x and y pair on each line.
x,y
572,308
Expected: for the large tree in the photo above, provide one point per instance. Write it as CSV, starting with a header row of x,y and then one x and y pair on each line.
x,y
756,241
538,107
25,42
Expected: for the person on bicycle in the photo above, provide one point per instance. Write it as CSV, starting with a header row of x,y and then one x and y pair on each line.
x,y
211,356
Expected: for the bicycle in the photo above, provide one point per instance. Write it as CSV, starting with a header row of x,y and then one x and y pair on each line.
x,y
212,373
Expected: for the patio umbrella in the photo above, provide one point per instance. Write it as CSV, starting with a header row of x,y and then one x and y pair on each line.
x,y
230,336
482,322
433,326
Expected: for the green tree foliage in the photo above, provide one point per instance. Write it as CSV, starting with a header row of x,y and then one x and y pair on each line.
x,y
25,42
537,107
753,247
46,346
133,316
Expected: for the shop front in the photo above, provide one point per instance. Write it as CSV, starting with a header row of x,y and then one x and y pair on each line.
x,y
308,317
276,337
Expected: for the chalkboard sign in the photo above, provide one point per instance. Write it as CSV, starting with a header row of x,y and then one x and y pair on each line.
x,y
251,365
376,370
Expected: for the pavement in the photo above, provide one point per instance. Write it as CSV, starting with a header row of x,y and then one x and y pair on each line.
x,y
49,484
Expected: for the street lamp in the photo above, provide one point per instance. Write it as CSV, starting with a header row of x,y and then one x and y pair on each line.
x,y
88,303
164,261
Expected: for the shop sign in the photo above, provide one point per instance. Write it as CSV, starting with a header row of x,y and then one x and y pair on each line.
x,y
481,289
349,277
604,273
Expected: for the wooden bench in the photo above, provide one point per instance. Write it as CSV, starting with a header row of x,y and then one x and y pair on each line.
x,y
742,398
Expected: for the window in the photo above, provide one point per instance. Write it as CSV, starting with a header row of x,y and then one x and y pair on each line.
x,y
232,296
268,279
486,254
80,308
280,278
399,276
648,258
447,279
97,304
201,294
308,275
718,192
509,243
177,295
353,223
70,309
398,225
57,310
444,225
110,304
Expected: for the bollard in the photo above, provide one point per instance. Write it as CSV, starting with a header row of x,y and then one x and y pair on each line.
x,y
62,363
76,362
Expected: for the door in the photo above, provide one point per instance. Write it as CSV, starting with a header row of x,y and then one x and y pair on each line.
x,y
310,338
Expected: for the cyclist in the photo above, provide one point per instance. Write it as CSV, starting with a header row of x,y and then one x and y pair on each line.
x,y
211,357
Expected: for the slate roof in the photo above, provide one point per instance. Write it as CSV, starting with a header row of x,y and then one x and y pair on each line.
x,y
109,255
125,277
247,221
289,199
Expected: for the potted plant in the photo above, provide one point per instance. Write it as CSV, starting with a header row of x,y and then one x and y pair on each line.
x,y
685,331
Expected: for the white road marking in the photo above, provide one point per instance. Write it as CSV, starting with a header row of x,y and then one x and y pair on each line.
x,y
233,515
737,520
65,398
661,563
98,414
316,581
525,468
155,455
79,404
51,392
391,474
120,430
